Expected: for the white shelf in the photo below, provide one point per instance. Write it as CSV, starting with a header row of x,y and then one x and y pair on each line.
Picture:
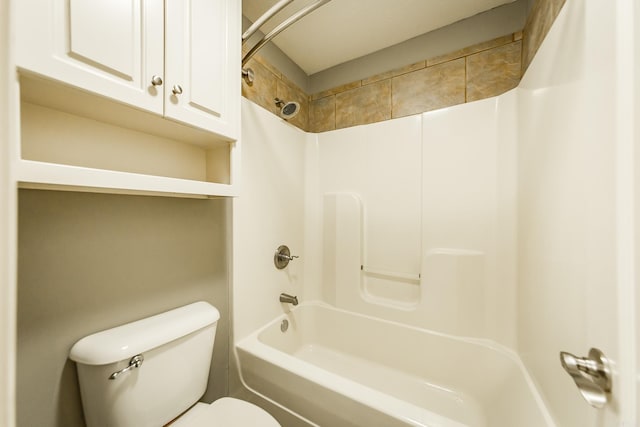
x,y
149,109
42,175
75,141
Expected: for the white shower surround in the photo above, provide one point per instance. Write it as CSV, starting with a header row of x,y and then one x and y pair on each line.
x,y
329,209
563,124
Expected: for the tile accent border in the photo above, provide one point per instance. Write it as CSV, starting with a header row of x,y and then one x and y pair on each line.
x,y
480,71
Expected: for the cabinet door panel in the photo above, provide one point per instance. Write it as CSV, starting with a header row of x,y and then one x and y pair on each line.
x,y
203,57
109,47
208,63
94,41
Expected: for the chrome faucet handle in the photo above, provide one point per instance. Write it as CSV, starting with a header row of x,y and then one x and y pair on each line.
x,y
135,362
591,374
282,257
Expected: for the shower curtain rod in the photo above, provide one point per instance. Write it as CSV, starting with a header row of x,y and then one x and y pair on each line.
x,y
264,18
248,73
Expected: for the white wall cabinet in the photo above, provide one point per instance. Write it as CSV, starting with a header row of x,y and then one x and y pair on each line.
x,y
196,65
178,59
108,47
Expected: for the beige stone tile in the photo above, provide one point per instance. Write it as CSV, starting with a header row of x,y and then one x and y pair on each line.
x,y
393,73
288,93
557,6
541,17
366,104
336,90
490,44
245,49
428,89
293,85
264,88
494,71
322,114
261,59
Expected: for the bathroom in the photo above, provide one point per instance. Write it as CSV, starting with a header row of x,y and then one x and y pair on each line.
x,y
533,225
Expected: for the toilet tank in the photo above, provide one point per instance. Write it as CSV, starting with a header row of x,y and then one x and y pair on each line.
x,y
176,345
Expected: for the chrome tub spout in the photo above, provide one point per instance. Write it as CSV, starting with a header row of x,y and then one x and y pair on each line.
x,y
289,299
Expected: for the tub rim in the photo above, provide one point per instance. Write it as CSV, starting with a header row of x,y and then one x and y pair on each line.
x,y
252,344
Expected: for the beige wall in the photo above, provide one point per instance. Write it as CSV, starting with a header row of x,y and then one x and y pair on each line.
x,y
87,262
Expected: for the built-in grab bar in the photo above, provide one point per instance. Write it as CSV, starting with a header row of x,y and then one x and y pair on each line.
x,y
248,73
393,274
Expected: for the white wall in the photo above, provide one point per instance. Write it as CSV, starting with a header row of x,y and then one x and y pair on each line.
x,y
570,283
269,213
8,203
378,168
635,17
469,218
430,195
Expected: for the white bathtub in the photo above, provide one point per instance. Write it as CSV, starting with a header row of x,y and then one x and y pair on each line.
x,y
337,368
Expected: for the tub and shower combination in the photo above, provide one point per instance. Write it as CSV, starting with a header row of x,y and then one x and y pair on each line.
x,y
338,368
372,347
400,324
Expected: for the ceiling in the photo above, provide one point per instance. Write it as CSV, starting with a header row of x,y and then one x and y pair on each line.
x,y
343,30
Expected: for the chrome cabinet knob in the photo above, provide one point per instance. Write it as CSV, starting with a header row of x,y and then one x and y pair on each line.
x,y
177,89
156,80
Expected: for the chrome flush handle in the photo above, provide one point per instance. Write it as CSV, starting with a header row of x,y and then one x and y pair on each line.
x,y
135,362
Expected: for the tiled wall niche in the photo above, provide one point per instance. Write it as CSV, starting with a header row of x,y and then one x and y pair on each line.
x,y
476,72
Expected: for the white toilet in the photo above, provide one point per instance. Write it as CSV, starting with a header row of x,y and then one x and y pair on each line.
x,y
150,373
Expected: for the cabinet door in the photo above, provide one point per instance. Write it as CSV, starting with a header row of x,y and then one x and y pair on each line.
x,y
202,64
110,47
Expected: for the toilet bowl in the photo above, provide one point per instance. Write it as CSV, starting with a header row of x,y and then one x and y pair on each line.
x,y
153,371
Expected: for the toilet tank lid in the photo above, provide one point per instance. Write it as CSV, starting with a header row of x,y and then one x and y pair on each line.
x,y
123,342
